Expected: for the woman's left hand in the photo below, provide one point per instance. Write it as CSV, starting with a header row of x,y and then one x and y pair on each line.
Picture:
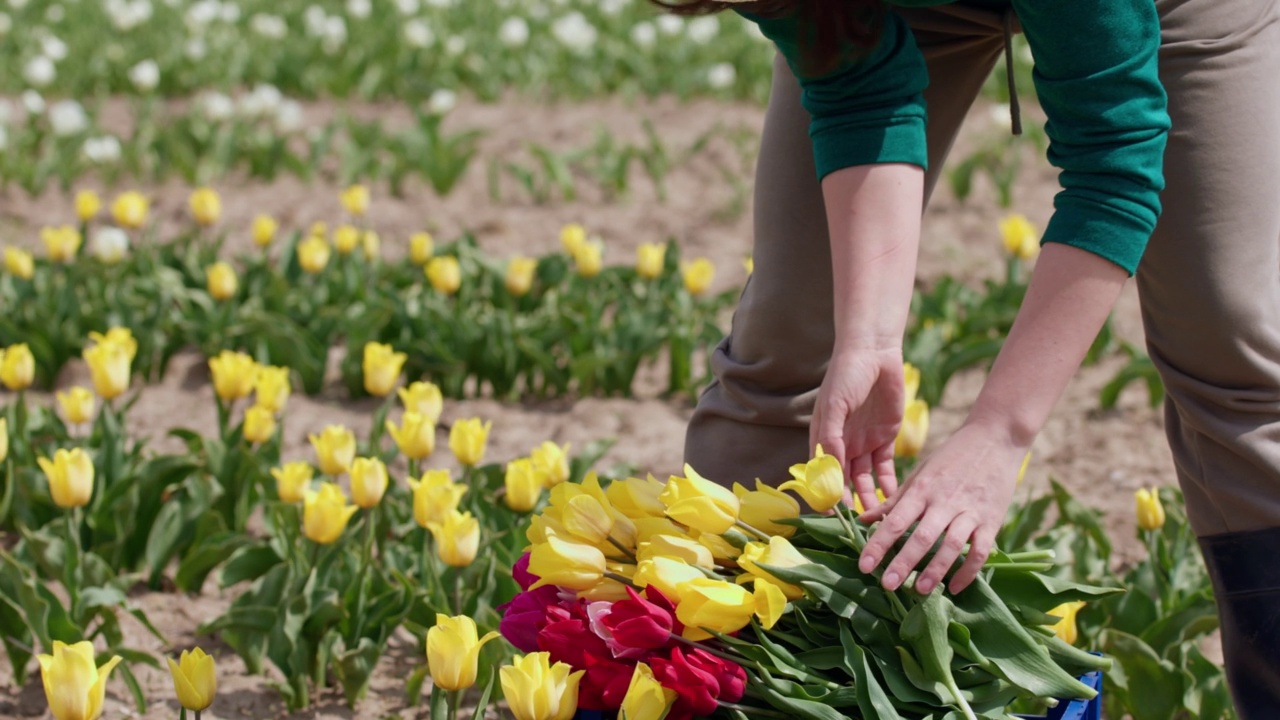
x,y
960,493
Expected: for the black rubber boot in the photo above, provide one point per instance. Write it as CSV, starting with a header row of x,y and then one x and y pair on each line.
x,y
1245,568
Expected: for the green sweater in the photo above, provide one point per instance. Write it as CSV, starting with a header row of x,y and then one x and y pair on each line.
x,y
1097,80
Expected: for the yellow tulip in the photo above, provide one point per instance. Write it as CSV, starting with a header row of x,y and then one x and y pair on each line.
x,y
77,405
264,230
914,430
572,238
457,538
537,690
1150,509
368,481
779,553
698,276
61,243
259,424
698,503
423,398
313,254
820,481
647,528
122,336
19,263
444,274
17,367
195,679
679,548
523,485
770,602
205,205
520,271
646,698
722,550
234,374
570,565
1021,239
551,462
585,518
74,685
859,508
382,366
88,205
130,209
467,440
589,260
910,382
221,280
749,264
4,439
319,229
292,481
70,476
355,200
109,359
638,498
649,260
453,651
346,239
1065,628
415,437
272,388
335,448
715,605
421,248
668,575
370,245
763,507
435,496
325,514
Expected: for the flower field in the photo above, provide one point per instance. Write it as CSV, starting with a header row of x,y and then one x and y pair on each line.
x,y
345,356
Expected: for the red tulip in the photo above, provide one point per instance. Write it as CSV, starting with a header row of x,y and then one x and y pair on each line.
x,y
696,689
636,623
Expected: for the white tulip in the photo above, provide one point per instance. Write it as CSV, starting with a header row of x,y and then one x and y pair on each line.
x,y
6,24
359,9
721,76
110,244
408,7
67,117
418,34
145,76
103,149
670,24
272,27
575,32
216,106
39,71
514,32
703,30
442,101
644,35
33,102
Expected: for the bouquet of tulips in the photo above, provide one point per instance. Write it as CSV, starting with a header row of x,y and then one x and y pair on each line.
x,y
686,599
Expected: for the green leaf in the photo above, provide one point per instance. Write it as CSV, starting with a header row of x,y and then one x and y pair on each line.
x,y
925,627
1042,592
1155,686
248,563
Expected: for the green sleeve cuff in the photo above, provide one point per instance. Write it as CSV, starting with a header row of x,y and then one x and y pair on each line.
x,y
1102,229
893,140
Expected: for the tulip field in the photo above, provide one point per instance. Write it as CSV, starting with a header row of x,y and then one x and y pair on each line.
x,y
346,351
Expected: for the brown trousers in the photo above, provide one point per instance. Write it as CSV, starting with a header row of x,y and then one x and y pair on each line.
x,y
1209,282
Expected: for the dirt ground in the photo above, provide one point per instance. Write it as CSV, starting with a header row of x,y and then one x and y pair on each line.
x,y
1102,456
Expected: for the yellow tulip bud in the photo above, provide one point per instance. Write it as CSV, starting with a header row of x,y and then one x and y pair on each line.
x,y
325,514
572,238
17,367
520,271
259,425
4,439
537,690
264,230
122,336
70,476
1150,509
820,481
421,248
457,539
638,498
571,565
88,205
722,550
77,405
435,496
319,229
313,254
585,518
415,437
19,263
1020,237
453,651
551,463
914,430
668,575
195,679
61,243
346,239
698,276
335,448
679,548
467,440
780,553
109,360
523,485
272,388
749,264
589,260
649,260
859,508
382,366
370,245
292,481
698,503
646,698
762,508
423,398
715,605
910,382
205,205
73,684
444,274
221,280
1065,628
234,374
368,482
130,209
647,528
355,200
770,602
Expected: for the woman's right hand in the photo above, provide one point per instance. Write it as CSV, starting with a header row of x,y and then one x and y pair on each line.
x,y
857,415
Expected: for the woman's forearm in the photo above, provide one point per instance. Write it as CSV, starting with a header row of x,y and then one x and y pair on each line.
x,y
873,215
1069,298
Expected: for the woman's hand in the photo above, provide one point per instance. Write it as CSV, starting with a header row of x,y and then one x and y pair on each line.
x,y
857,415
960,493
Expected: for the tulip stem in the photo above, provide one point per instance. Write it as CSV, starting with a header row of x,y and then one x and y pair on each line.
x,y
622,579
622,548
73,556
752,531
366,559
457,594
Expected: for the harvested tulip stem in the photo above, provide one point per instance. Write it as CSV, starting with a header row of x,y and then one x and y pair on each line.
x,y
630,556
622,579
752,531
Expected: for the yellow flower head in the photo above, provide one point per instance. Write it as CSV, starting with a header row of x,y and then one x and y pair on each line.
x,y
109,359
649,260
319,229
264,230
679,548
913,431
73,683
820,481
222,281
638,498
234,374
313,254
19,263
523,485
371,245
646,698
749,264
415,437
1021,239
453,651
780,553
467,440
668,575
435,496
570,565
520,271
77,405
292,481
715,605
195,679
272,388
368,482
589,259
444,274
698,275
537,690
382,366
551,462
130,209
70,476
457,538
259,424
572,238
122,336
61,243
1150,510
1065,628
335,449
4,439
770,602
205,205
325,514
763,507
88,205
423,398
346,239
17,367
698,503
421,248
355,200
